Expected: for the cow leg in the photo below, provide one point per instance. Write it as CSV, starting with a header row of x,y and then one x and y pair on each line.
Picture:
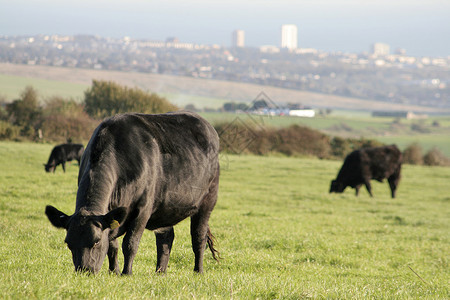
x,y
199,229
357,187
113,252
164,240
393,182
199,224
132,238
63,164
368,187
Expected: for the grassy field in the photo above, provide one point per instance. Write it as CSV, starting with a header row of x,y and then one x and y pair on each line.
x,y
280,234
12,86
203,89
347,122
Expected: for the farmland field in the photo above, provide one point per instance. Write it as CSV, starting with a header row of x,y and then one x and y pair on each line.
x,y
12,86
344,122
177,88
280,234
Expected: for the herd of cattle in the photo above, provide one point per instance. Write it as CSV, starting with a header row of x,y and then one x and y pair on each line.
x,y
152,171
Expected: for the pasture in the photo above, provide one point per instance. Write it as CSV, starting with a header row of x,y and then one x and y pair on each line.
x,y
280,233
344,122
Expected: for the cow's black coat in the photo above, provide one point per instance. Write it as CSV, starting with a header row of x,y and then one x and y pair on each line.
x,y
142,171
362,165
62,153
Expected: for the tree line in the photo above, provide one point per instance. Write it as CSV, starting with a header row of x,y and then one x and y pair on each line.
x,y
65,120
60,120
295,140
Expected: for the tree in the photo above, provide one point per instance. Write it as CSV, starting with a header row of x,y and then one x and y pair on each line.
x,y
106,98
25,112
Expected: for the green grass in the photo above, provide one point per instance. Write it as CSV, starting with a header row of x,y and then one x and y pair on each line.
x,y
280,233
426,141
12,86
200,102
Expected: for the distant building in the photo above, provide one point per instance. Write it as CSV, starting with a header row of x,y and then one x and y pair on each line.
x,y
269,49
173,40
263,105
306,113
238,39
289,34
380,49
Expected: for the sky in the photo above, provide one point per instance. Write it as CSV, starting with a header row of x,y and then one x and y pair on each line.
x,y
421,27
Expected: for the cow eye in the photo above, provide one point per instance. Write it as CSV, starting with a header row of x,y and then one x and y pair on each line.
x,y
96,244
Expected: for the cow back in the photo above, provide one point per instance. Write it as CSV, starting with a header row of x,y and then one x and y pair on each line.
x,y
170,155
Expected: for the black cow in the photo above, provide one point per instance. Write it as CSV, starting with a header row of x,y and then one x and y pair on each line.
x,y
142,172
62,153
365,164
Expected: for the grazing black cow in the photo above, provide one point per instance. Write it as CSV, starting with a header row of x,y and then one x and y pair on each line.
x,y
142,172
365,164
62,153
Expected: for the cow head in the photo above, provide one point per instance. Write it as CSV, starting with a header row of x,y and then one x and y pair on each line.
x,y
336,187
49,168
87,235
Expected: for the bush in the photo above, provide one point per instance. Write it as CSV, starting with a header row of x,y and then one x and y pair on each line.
x,y
9,131
240,137
65,120
340,147
434,157
413,154
60,120
299,140
106,98
363,143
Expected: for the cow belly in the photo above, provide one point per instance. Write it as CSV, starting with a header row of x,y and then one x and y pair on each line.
x,y
170,218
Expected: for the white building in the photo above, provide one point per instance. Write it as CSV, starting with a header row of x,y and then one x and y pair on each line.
x,y
269,49
380,49
289,34
238,38
306,113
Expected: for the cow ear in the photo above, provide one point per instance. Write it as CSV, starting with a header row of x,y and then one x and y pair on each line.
x,y
56,217
114,218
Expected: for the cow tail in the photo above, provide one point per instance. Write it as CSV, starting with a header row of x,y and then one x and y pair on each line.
x,y
210,239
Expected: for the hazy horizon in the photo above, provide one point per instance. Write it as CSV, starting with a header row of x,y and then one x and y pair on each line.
x,y
422,28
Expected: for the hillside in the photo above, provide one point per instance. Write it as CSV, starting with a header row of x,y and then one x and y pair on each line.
x,y
178,88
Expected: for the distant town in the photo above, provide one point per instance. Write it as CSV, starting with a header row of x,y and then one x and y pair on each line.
x,y
376,74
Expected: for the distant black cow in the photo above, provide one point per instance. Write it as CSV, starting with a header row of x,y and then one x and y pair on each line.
x,y
62,153
142,172
365,164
